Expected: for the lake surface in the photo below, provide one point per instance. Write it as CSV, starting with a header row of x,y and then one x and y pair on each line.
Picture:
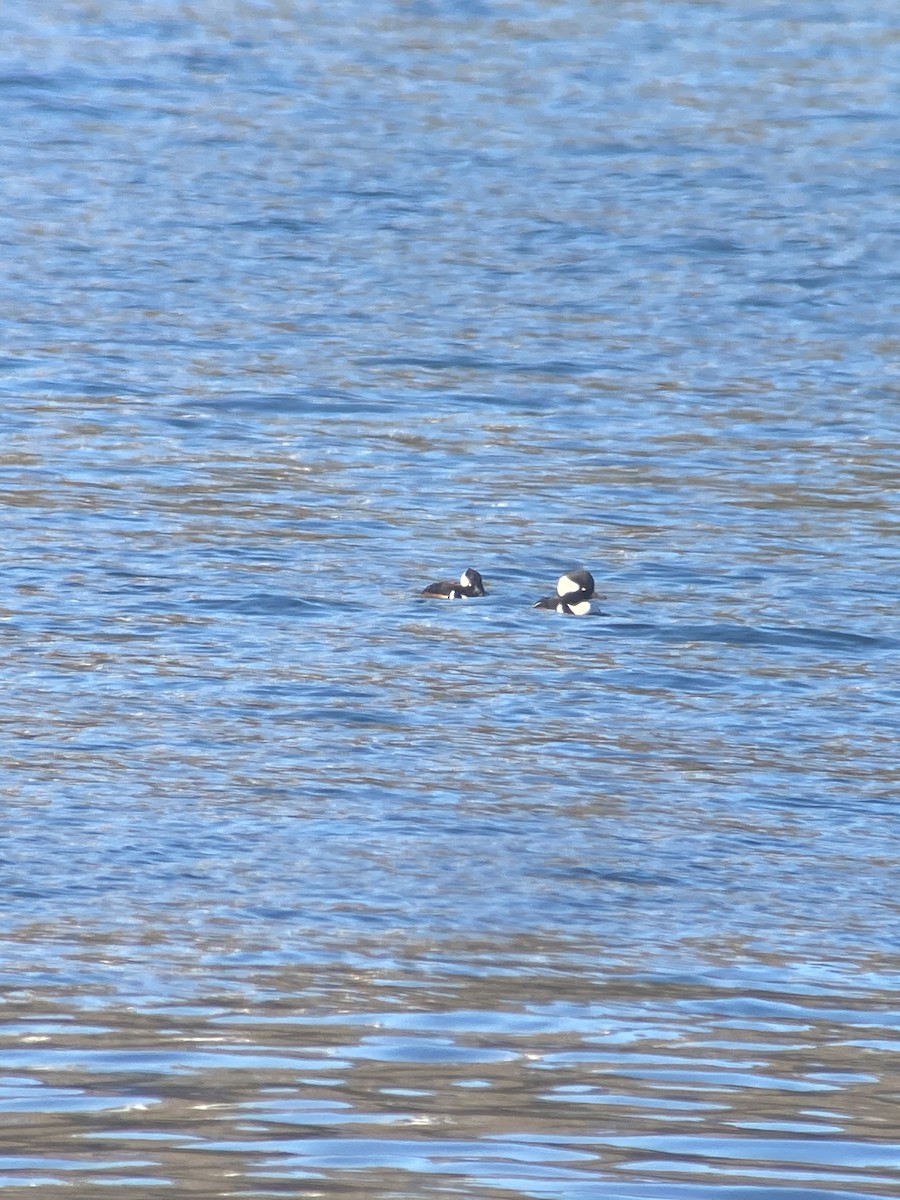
x,y
312,887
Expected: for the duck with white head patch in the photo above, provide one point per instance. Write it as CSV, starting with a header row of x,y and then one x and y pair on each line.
x,y
470,584
573,594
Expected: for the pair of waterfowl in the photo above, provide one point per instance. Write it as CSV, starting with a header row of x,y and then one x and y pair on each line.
x,y
573,591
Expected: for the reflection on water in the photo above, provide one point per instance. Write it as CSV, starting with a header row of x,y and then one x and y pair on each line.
x,y
468,1067
313,887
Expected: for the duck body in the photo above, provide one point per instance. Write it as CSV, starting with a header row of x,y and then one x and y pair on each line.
x,y
573,595
468,585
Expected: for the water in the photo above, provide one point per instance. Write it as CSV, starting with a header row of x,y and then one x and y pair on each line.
x,y
314,888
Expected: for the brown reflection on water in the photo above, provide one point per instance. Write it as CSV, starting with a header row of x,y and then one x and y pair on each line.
x,y
373,1077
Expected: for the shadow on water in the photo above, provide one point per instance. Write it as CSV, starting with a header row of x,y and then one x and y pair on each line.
x,y
741,635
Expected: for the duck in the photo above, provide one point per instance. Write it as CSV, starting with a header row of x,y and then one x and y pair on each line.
x,y
573,594
469,584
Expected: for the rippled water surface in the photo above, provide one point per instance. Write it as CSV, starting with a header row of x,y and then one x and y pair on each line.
x,y
312,887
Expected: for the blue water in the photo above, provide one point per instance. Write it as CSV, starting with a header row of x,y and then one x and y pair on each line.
x,y
313,887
